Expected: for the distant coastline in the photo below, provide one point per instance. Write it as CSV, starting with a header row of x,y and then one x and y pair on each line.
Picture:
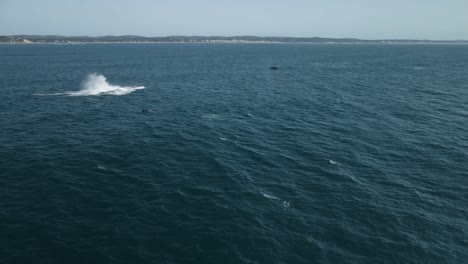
x,y
48,39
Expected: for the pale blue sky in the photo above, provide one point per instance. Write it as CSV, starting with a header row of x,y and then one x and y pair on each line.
x,y
369,19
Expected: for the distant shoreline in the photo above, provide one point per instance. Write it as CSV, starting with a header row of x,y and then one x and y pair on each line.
x,y
40,39
253,42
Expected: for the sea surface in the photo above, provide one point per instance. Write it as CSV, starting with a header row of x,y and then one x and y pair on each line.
x,y
200,153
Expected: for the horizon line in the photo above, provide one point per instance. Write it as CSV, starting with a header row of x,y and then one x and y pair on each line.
x,y
235,36
208,38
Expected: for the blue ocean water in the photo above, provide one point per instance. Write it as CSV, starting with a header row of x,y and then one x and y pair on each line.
x,y
199,153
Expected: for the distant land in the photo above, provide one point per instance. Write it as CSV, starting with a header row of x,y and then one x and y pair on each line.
x,y
53,39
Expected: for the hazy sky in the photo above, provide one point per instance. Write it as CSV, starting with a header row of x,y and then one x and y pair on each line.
x,y
370,19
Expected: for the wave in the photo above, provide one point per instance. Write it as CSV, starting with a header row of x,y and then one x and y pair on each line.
x,y
210,116
96,84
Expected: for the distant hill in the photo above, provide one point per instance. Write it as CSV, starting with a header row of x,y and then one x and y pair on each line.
x,y
204,39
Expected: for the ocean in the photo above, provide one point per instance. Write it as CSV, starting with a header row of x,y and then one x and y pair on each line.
x,y
200,153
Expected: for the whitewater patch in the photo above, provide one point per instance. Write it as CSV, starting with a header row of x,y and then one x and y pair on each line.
x,y
269,196
96,84
272,197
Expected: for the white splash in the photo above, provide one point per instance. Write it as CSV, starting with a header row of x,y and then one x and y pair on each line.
x,y
333,162
96,84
